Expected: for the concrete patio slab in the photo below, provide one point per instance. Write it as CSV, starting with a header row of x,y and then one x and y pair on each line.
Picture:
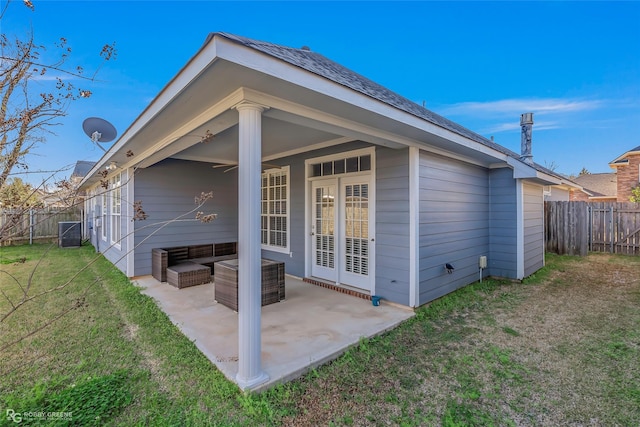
x,y
311,327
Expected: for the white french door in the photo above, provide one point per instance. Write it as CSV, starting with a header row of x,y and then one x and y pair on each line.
x,y
341,230
323,229
354,232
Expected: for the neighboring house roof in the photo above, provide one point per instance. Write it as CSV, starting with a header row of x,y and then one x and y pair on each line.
x,y
622,160
82,168
324,67
598,184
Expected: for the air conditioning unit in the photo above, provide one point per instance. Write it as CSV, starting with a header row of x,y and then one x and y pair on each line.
x,y
69,234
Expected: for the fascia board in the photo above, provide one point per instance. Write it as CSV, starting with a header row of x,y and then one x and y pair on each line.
x,y
520,169
523,171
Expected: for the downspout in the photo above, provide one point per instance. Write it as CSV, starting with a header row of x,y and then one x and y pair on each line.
x,y
519,230
414,226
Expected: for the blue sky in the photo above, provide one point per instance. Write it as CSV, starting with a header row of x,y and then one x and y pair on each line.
x,y
576,65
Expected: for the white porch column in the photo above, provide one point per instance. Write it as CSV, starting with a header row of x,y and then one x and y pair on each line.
x,y
250,371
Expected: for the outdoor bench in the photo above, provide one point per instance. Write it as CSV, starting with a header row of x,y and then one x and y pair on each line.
x,y
193,256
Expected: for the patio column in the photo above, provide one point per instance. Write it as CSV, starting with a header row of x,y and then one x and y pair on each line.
x,y
250,371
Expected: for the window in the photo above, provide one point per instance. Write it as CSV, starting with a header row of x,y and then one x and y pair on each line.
x,y
104,207
93,203
338,167
275,208
116,224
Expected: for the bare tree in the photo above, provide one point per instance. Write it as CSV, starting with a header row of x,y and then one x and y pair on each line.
x,y
28,112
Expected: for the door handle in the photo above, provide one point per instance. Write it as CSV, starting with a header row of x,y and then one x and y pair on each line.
x,y
312,233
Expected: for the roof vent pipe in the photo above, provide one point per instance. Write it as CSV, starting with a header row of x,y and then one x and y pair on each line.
x,y
526,123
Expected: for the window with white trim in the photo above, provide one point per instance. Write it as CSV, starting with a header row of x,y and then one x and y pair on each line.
x,y
275,208
104,207
116,224
93,202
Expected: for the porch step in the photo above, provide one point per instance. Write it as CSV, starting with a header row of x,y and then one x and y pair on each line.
x,y
333,287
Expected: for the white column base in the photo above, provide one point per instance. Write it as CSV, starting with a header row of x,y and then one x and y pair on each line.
x,y
247,384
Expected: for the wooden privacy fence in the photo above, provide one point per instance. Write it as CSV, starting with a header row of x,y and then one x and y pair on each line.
x,y
31,225
574,228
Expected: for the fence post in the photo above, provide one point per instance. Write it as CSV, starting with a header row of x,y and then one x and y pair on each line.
x,y
590,227
30,226
611,232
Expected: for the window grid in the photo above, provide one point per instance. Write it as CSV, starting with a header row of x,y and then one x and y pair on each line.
x,y
116,202
342,166
275,208
104,207
357,229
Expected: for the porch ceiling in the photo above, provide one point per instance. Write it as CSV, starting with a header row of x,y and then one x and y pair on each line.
x,y
278,137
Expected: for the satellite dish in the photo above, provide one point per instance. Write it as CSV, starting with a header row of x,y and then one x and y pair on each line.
x,y
99,130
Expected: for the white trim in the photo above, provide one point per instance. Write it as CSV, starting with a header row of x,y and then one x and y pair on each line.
x,y
372,208
519,229
414,226
342,155
355,280
130,228
91,194
280,249
104,214
115,218
150,157
326,273
307,148
309,117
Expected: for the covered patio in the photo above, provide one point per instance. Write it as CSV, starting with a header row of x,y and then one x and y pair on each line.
x,y
310,327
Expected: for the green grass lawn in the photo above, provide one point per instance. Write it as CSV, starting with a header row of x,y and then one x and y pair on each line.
x,y
562,348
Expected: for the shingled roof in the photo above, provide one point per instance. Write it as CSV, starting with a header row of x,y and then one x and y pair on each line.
x,y
326,68
599,184
82,168
622,160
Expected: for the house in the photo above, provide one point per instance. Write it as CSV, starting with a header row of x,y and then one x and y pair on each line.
x,y
597,187
341,179
610,187
80,170
627,168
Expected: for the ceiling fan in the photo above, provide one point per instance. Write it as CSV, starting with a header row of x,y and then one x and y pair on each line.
x,y
232,166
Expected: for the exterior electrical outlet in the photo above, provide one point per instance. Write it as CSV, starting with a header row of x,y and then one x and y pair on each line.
x,y
483,262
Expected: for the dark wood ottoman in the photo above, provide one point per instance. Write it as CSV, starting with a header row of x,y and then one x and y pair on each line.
x,y
188,274
226,282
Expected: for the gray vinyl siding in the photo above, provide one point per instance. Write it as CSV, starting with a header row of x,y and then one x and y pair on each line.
x,y
295,260
392,224
454,223
168,191
502,260
533,205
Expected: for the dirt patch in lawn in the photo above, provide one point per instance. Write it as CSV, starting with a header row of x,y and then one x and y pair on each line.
x,y
563,348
